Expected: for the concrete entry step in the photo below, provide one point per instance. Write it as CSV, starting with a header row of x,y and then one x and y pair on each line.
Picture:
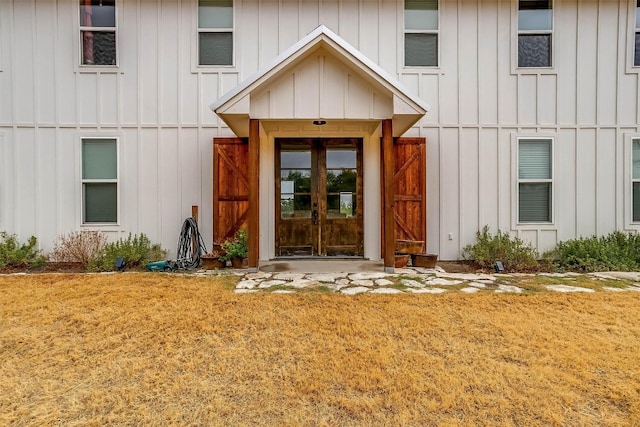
x,y
320,266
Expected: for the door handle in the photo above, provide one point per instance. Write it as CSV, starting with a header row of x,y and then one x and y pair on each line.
x,y
315,217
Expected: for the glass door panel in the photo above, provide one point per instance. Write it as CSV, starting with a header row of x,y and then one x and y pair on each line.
x,y
319,188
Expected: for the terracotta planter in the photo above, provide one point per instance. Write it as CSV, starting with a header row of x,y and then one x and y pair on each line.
x,y
409,246
239,262
212,263
401,261
424,260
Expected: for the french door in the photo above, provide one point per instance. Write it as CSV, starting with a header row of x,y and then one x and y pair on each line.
x,y
319,197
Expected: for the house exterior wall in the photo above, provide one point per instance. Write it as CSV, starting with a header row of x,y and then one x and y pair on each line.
x,y
155,102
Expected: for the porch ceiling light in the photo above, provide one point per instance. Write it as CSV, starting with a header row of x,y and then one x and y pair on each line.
x,y
319,122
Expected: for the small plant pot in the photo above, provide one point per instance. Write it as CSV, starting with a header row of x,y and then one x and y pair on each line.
x,y
239,262
212,263
424,260
401,260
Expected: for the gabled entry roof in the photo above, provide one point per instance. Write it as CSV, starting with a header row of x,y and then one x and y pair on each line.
x,y
320,77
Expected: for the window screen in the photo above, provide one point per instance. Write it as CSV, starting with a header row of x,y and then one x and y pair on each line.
x,y
215,32
636,180
535,27
99,181
534,180
98,32
421,33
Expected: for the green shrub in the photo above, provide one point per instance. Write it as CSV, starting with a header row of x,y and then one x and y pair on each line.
x,y
514,254
13,254
136,250
616,251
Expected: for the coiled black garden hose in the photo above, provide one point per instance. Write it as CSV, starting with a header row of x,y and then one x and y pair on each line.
x,y
190,246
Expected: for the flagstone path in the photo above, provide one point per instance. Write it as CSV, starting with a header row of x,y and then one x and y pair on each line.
x,y
421,281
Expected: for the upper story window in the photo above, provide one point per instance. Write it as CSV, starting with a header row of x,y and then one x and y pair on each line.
x,y
535,30
535,178
215,32
421,33
636,59
99,181
98,32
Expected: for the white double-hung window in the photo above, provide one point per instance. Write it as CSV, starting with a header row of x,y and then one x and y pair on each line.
x,y
99,181
636,56
535,33
215,32
421,33
98,32
635,180
535,179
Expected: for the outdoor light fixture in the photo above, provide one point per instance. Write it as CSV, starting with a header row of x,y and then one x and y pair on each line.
x,y
319,122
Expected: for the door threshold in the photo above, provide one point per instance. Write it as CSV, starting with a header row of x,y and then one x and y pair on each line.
x,y
318,258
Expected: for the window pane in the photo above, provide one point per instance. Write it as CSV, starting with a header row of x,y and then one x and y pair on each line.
x,y
421,50
295,206
341,205
636,159
295,159
636,201
534,4
535,19
97,13
99,159
286,206
216,48
341,159
534,50
534,159
215,14
295,181
98,48
341,180
100,203
535,202
421,15
636,60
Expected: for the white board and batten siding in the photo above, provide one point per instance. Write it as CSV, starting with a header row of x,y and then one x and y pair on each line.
x,y
156,103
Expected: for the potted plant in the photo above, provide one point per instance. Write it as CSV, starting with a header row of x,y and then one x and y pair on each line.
x,y
237,249
214,259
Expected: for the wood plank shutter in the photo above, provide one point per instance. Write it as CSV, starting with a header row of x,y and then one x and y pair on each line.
x,y
230,187
410,182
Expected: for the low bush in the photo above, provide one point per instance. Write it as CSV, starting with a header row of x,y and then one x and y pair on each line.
x,y
137,251
14,254
515,254
78,246
616,251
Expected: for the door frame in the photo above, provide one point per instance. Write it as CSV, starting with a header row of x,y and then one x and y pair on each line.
x,y
322,223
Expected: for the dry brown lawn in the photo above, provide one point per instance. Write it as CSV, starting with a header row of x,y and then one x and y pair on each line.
x,y
155,349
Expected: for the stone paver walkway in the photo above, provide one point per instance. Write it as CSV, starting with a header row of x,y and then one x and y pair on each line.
x,y
424,281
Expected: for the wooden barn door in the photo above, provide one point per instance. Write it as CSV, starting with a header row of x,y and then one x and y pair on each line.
x,y
410,182
230,187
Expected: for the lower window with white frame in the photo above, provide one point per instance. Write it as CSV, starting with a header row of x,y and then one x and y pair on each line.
x,y
635,179
99,181
535,180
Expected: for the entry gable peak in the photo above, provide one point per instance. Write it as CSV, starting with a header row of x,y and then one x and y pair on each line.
x,y
374,93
